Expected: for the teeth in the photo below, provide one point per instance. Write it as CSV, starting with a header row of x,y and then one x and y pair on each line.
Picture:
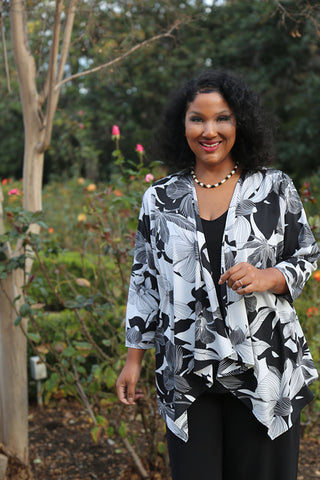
x,y
210,145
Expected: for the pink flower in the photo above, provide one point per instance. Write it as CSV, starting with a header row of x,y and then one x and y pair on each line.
x,y
149,177
80,113
14,191
115,131
139,148
81,126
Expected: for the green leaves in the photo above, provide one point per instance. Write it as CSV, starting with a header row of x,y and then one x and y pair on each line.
x,y
123,429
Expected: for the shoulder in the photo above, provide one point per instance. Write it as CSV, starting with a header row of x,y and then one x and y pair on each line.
x,y
173,185
268,179
180,180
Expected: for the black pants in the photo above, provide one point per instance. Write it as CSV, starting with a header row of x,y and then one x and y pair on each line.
x,y
226,442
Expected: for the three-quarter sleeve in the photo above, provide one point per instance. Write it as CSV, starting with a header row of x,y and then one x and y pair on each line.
x,y
300,251
143,296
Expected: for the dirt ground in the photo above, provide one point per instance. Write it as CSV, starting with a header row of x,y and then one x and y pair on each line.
x,y
61,448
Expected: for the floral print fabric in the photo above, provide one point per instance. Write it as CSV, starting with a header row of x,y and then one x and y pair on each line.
x,y
255,348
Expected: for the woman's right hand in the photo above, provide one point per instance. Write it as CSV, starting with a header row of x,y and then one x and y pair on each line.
x,y
126,385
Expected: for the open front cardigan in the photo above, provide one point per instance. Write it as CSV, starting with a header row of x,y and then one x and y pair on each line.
x,y
256,349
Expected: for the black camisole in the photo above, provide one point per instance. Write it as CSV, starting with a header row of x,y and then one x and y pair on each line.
x,y
213,232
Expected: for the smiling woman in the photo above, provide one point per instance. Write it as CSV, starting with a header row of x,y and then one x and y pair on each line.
x,y
223,248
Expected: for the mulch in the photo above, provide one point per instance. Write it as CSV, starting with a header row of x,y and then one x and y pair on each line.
x,y
61,447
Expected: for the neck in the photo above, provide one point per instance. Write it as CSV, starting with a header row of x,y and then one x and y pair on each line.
x,y
207,179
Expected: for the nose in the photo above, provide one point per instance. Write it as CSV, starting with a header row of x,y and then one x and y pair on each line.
x,y
209,129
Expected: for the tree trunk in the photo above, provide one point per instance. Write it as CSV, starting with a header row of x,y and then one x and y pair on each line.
x,y
13,376
13,343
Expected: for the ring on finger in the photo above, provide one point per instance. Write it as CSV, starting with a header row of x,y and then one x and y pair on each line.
x,y
240,281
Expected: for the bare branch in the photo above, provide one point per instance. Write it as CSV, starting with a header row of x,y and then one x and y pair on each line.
x,y
136,459
121,57
55,73
67,38
83,395
100,352
51,105
5,56
306,11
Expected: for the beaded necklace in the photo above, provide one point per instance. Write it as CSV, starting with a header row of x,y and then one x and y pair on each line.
x,y
207,185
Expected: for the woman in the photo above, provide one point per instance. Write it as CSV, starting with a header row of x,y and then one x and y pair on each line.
x,y
223,248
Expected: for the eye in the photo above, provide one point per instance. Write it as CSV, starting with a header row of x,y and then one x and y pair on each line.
x,y
195,119
224,118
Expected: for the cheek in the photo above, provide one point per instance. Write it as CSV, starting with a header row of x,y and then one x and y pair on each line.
x,y
191,132
230,134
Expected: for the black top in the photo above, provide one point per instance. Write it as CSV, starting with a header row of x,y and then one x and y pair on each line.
x,y
213,232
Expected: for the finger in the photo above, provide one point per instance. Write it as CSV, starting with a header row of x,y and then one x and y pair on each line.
x,y
231,272
239,284
122,394
139,394
131,393
245,290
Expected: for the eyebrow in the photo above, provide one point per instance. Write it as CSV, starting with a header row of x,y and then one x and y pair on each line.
x,y
193,112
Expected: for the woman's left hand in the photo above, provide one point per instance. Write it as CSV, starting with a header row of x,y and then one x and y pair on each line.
x,y
245,278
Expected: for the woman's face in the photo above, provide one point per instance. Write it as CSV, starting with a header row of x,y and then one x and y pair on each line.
x,y
210,129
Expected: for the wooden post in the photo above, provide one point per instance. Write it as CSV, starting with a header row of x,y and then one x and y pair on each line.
x,y
3,466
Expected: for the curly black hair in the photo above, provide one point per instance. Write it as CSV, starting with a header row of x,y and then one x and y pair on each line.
x,y
254,146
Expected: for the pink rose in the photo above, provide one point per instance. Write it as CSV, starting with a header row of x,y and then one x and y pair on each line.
x,y
115,131
14,191
80,113
139,148
81,126
149,177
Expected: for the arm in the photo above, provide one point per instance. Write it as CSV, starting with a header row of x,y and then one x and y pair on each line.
x,y
297,255
129,376
142,311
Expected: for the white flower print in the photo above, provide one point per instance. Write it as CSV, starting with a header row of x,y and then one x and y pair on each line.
x,y
204,325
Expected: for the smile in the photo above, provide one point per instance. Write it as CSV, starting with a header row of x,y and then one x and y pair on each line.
x,y
209,145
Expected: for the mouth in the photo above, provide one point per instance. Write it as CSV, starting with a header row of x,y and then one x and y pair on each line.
x,y
210,146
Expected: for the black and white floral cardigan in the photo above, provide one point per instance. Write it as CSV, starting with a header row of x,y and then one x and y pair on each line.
x,y
256,348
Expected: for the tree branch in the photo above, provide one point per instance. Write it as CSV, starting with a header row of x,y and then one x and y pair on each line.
x,y
67,38
51,104
83,395
25,65
121,57
64,50
135,458
307,11
5,56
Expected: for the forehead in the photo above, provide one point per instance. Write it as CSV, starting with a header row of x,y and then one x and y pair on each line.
x,y
208,102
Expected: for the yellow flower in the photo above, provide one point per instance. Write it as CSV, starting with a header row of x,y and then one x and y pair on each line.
x,y
82,217
91,187
83,282
80,180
